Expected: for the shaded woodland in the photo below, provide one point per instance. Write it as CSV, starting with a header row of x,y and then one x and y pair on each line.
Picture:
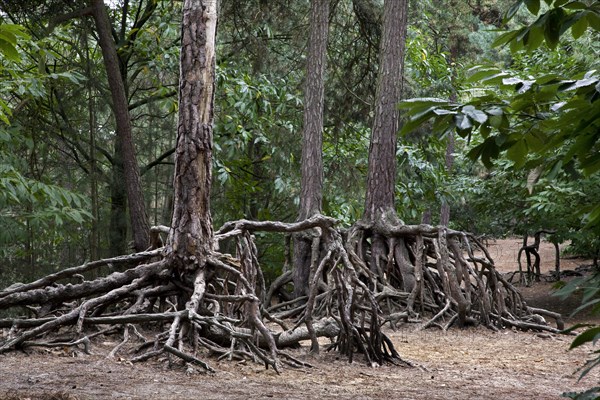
x,y
297,170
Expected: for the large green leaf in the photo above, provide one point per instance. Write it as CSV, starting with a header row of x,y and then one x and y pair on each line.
x,y
417,119
575,5
553,26
480,72
533,6
534,38
463,122
512,10
593,20
8,37
593,218
422,102
580,26
9,50
506,37
587,336
518,153
474,114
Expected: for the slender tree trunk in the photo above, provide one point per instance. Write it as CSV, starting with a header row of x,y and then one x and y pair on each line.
x,y
118,205
94,242
93,178
135,196
191,226
311,192
382,150
445,209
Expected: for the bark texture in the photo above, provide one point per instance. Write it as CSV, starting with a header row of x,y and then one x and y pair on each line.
x,y
135,196
191,225
449,159
382,150
312,137
381,176
311,195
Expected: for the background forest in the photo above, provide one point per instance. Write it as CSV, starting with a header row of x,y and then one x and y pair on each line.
x,y
63,195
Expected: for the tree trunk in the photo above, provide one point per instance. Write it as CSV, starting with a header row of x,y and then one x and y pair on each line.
x,y
191,225
135,196
311,194
445,209
382,150
381,177
117,236
449,160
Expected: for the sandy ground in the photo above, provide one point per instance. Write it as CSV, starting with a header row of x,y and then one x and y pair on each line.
x,y
460,364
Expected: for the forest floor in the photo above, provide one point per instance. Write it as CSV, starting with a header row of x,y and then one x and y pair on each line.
x,y
474,363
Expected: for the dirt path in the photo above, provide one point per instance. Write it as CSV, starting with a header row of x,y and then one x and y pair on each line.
x,y
459,364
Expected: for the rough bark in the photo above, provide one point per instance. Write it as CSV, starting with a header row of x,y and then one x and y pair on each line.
x,y
118,206
312,137
311,188
191,226
137,208
381,176
449,160
382,149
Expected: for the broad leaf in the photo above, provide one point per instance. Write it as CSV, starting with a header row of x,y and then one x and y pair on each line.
x,y
590,335
9,50
518,153
579,27
593,218
575,5
479,73
463,122
474,114
512,11
533,6
534,38
506,37
594,20
553,26
422,101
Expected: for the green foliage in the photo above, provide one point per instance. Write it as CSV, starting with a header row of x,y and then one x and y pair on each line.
x,y
558,117
540,116
550,121
589,286
548,28
30,206
345,161
255,165
423,181
254,133
10,35
27,203
590,394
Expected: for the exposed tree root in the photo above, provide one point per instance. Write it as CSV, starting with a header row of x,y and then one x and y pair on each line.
x,y
359,279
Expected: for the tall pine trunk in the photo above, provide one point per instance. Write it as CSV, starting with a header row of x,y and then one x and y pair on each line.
x,y
135,196
311,194
381,178
382,150
191,225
